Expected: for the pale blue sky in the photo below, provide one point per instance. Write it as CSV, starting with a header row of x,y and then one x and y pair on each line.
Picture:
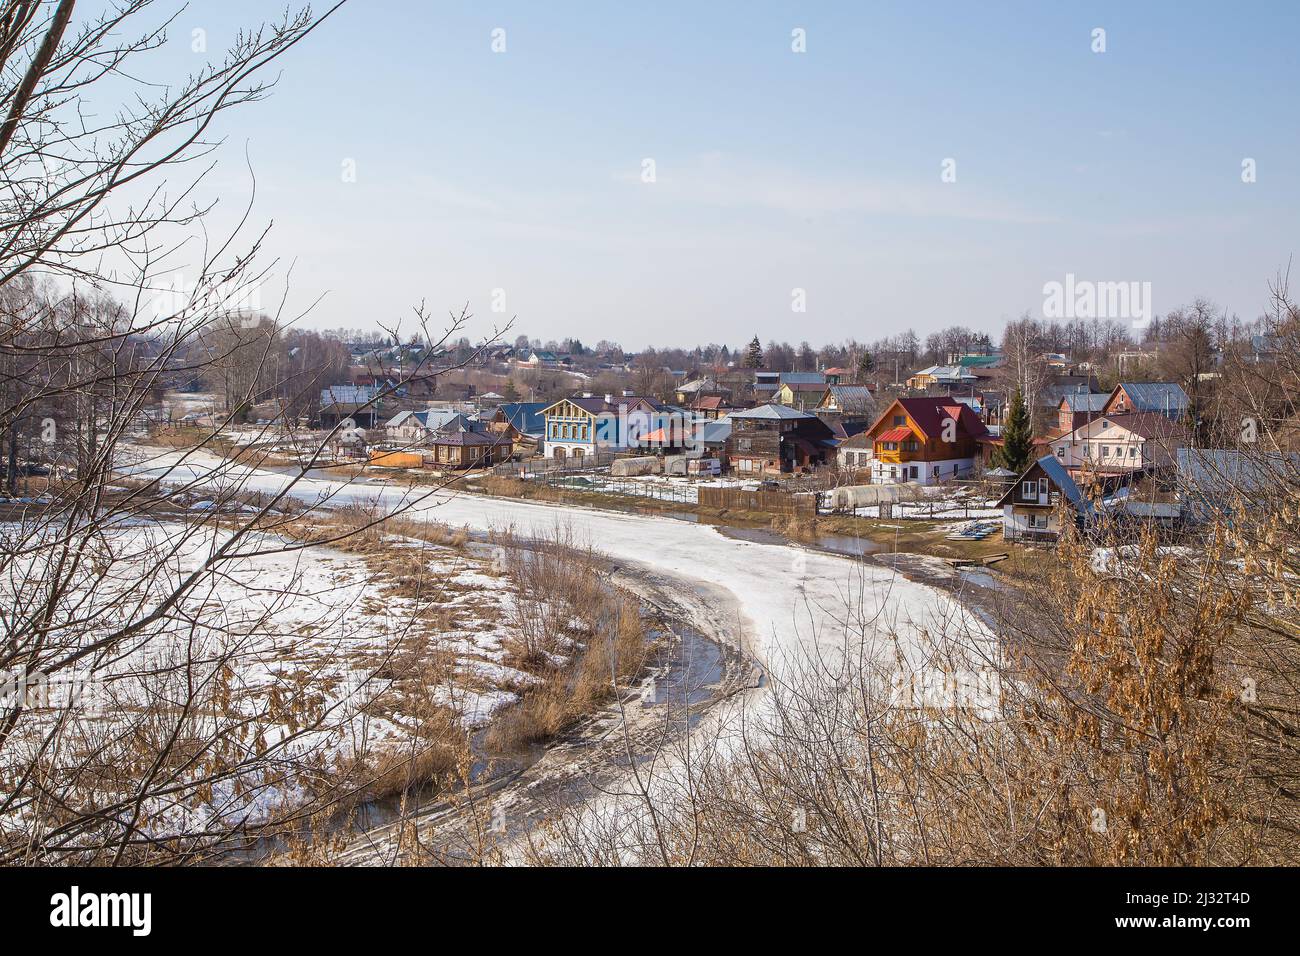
x,y
775,170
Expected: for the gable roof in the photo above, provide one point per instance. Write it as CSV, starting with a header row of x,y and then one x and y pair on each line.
x,y
1147,425
596,405
458,423
1053,394
348,394
715,432
525,417
1154,396
929,414
1058,476
851,398
1084,401
430,418
690,388
465,438
771,412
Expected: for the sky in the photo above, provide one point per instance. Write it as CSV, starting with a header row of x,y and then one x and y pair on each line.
x,y
795,195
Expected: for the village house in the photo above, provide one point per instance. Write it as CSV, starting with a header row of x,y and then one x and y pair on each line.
x,y
856,453
542,359
801,390
766,383
941,375
587,425
1119,443
412,429
523,422
349,403
1035,505
467,449
925,440
707,387
847,403
709,406
772,439
1078,408
1163,398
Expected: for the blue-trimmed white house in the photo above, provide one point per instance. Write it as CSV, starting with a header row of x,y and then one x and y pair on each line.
x,y
586,425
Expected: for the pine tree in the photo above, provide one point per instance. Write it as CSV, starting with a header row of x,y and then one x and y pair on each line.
x,y
754,354
1017,438
866,364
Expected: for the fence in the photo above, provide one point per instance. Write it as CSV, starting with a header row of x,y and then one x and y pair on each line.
x,y
538,467
773,502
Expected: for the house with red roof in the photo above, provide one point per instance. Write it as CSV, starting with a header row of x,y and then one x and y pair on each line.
x,y
925,440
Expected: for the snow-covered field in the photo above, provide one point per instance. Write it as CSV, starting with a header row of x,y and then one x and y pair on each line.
x,y
794,601
312,651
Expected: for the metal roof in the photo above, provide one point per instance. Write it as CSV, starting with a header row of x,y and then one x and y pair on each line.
x,y
853,397
1155,396
772,412
526,417
1058,476
803,378
1085,402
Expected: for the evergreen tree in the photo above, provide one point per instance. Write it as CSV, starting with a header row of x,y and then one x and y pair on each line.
x,y
754,354
866,364
1017,437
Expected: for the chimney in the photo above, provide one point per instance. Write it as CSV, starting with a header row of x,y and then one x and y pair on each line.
x,y
609,398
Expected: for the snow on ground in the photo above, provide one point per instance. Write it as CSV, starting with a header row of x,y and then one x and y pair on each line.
x,y
315,628
794,600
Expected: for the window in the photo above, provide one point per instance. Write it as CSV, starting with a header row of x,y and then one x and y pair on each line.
x,y
1132,451
1105,451
935,472
1087,450
1060,451
1042,488
1028,490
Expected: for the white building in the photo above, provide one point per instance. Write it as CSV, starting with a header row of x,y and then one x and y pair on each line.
x,y
1119,443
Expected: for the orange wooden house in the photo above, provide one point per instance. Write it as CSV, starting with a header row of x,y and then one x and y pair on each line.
x,y
925,440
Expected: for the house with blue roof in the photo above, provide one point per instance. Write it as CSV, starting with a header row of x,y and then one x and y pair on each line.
x,y
525,423
1039,502
1163,398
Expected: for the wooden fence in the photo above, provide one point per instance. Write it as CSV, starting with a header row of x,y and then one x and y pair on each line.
x,y
773,502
